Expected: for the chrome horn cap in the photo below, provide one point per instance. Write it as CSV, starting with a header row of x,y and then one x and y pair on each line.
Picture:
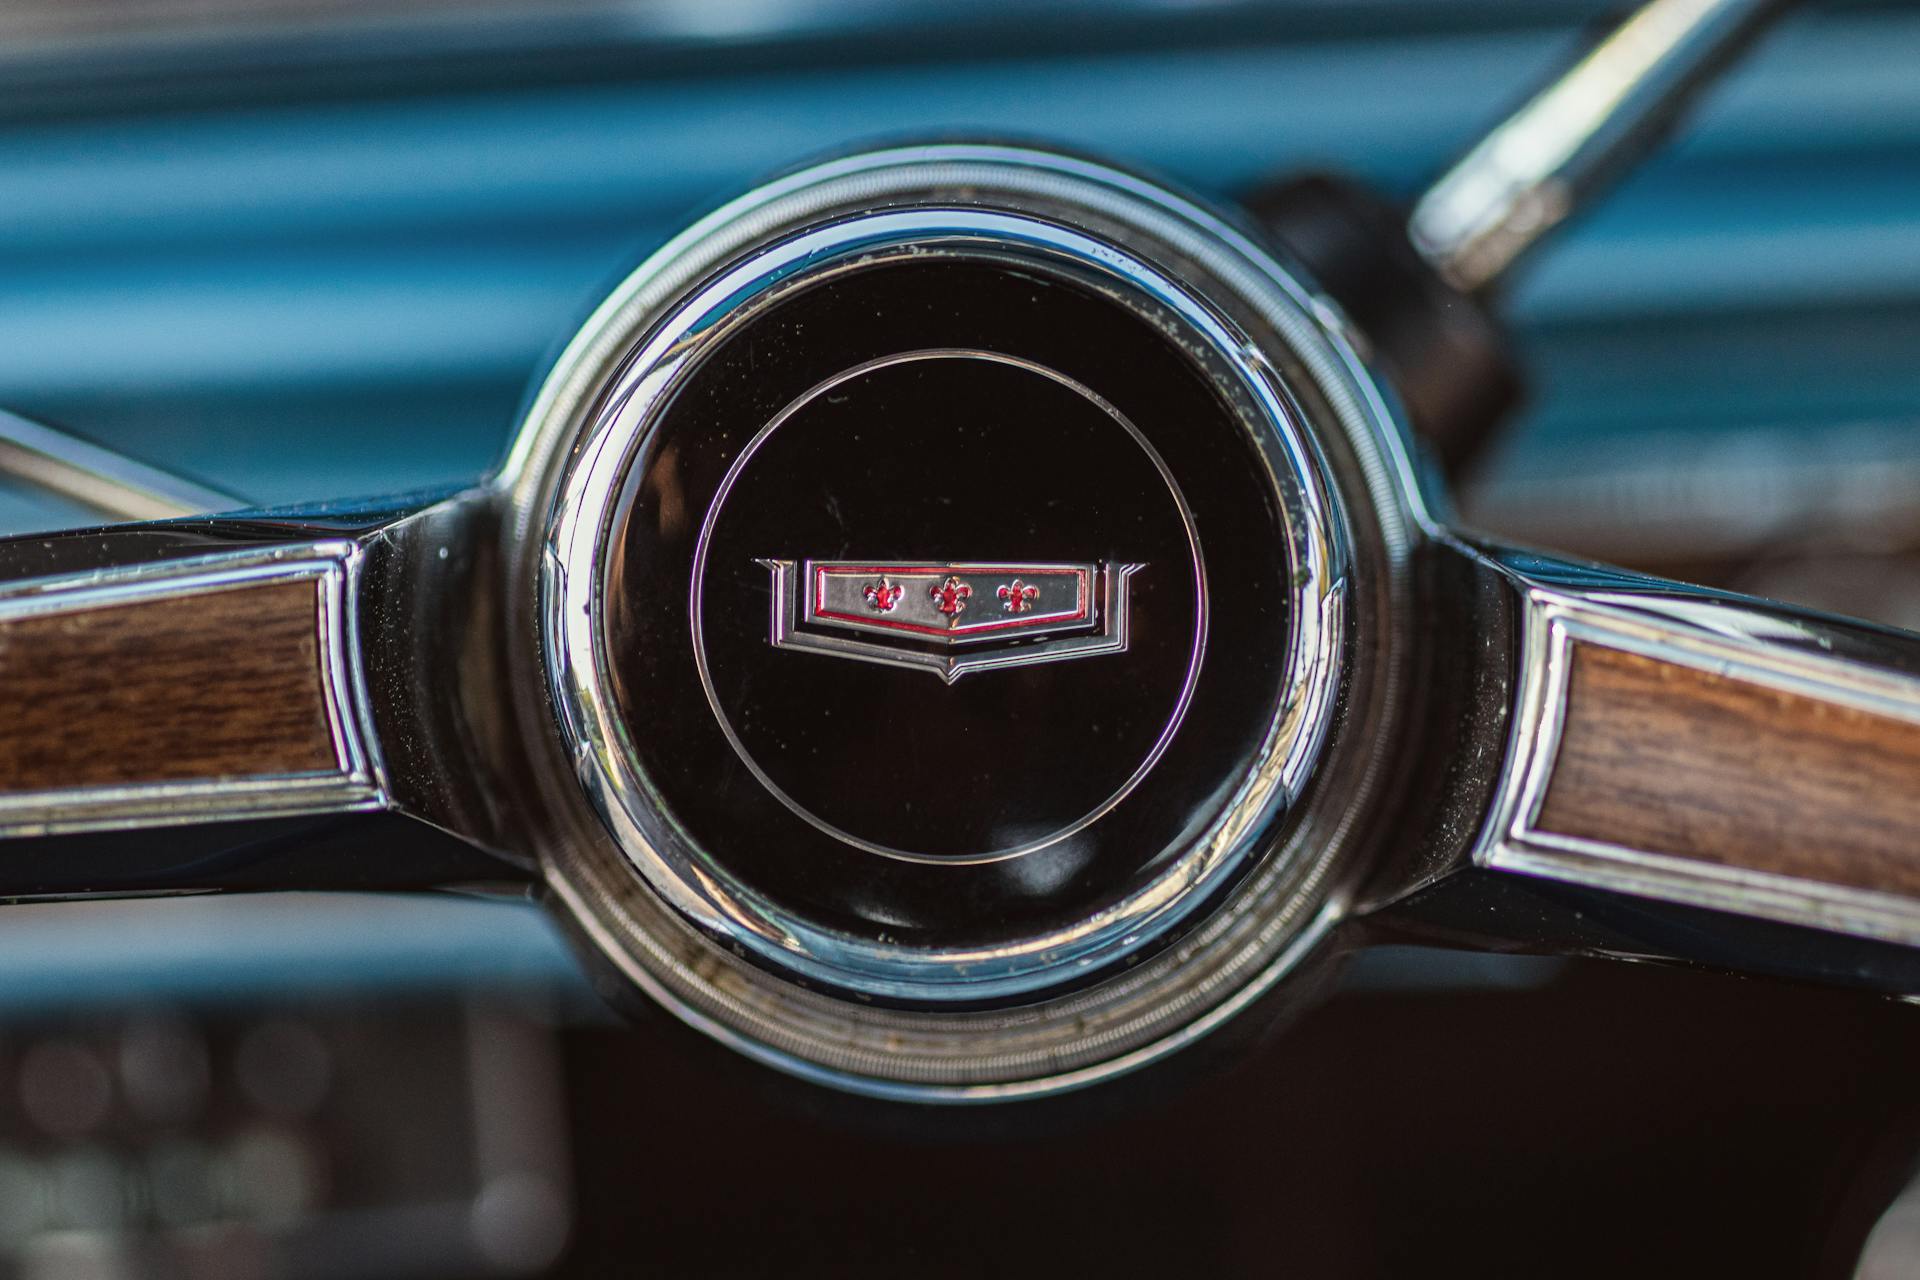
x,y
944,601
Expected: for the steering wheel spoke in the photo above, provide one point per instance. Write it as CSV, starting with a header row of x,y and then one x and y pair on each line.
x,y
1725,757
203,671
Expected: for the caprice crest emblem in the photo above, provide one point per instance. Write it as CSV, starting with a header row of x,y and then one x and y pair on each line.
x,y
949,617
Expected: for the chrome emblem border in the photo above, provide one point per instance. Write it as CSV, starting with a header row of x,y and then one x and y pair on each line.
x,y
1036,612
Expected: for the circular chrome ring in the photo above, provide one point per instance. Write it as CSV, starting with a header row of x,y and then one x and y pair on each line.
x,y
589,415
660,850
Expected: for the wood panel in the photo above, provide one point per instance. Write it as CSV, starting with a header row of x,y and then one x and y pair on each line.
x,y
1671,759
226,683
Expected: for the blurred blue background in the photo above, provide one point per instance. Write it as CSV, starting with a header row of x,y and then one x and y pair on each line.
x,y
302,250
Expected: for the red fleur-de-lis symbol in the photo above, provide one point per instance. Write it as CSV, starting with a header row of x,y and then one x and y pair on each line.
x,y
1018,596
882,595
950,597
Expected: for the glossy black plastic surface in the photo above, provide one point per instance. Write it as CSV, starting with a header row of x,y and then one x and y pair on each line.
x,y
934,460
957,459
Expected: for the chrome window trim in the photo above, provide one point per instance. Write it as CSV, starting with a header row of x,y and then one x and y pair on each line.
x,y
1705,633
355,783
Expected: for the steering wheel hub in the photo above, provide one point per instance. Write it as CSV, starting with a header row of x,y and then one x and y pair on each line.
x,y
943,609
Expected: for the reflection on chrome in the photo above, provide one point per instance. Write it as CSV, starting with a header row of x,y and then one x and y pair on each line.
x,y
1559,151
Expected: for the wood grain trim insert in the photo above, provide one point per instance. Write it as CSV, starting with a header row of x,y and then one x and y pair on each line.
x,y
218,684
1671,759
200,689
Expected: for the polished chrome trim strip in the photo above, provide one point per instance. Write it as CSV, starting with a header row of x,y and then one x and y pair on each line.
x,y
357,781
1706,634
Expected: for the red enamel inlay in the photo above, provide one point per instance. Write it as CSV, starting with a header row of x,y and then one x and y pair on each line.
x,y
950,597
1083,596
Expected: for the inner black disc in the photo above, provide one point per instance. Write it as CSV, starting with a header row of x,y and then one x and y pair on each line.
x,y
1077,434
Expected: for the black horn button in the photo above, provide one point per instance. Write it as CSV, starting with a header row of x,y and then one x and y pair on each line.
x,y
943,602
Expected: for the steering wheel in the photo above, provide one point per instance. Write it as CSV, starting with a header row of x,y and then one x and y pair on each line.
x,y
963,621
